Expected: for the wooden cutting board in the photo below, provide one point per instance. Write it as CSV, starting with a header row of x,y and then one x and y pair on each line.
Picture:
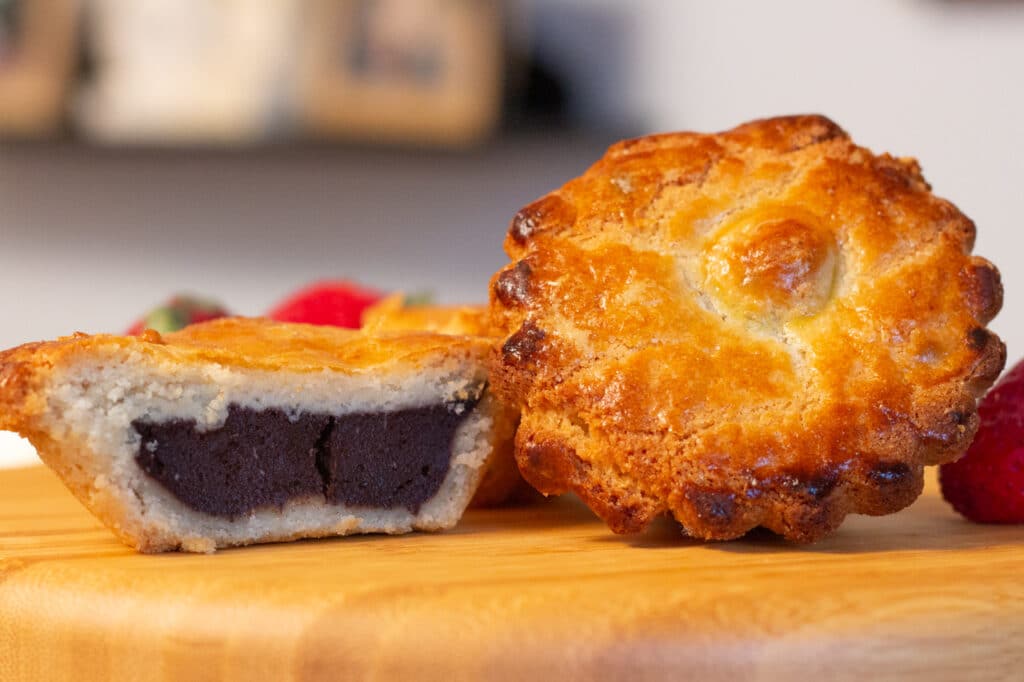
x,y
531,593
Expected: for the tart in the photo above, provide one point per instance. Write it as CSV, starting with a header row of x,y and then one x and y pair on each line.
x,y
239,431
769,326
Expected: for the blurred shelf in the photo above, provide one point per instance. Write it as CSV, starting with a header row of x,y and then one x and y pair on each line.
x,y
116,230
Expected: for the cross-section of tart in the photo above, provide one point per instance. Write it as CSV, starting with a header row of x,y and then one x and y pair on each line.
x,y
501,482
770,326
240,431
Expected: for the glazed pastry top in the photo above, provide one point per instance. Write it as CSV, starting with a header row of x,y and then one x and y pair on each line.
x,y
769,300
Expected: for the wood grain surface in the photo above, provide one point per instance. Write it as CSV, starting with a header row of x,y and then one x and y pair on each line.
x,y
539,592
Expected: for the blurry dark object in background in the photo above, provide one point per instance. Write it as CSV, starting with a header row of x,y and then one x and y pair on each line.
x,y
588,48
537,99
426,72
37,45
8,28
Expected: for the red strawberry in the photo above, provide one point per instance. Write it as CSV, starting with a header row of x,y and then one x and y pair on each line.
x,y
181,311
987,484
337,303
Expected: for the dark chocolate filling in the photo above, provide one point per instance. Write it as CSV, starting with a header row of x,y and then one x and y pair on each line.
x,y
262,458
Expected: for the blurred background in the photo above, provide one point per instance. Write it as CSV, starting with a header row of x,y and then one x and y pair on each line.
x,y
240,149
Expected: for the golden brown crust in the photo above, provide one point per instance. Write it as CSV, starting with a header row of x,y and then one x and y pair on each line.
x,y
264,344
769,326
33,376
19,378
392,315
251,343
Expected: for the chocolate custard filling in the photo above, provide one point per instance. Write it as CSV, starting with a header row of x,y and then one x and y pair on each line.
x,y
262,458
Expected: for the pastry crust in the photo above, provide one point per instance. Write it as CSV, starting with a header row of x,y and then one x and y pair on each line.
x,y
769,326
392,315
501,483
77,398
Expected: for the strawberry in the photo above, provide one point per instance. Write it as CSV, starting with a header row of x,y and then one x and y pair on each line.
x,y
338,303
987,484
181,311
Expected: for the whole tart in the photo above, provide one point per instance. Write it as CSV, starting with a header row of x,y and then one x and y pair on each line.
x,y
769,326
239,431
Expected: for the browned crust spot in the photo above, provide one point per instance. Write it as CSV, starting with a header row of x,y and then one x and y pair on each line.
x,y
549,213
791,133
991,360
900,175
525,345
551,466
715,509
984,289
512,286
